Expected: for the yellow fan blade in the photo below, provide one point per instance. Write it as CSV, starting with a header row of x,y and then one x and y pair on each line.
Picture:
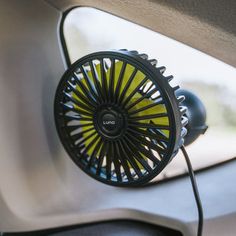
x,y
145,102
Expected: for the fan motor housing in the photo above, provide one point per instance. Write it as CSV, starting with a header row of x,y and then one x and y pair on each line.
x,y
110,122
118,117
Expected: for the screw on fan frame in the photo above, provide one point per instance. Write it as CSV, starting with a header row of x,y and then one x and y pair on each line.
x,y
118,117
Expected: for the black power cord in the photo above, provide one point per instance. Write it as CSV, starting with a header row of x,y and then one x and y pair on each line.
x,y
195,191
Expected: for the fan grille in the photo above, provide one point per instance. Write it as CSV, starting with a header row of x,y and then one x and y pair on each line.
x,y
115,114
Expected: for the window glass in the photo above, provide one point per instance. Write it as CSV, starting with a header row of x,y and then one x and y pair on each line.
x,y
89,30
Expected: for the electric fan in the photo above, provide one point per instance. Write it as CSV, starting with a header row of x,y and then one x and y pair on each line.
x,y
118,117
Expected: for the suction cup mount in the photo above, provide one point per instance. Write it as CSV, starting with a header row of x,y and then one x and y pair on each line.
x,y
196,115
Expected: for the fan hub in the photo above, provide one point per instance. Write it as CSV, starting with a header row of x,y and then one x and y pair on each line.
x,y
110,123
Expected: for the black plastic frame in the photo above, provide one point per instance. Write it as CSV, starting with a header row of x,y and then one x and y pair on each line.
x,y
167,93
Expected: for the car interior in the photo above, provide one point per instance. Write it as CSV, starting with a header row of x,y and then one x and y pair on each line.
x,y
118,117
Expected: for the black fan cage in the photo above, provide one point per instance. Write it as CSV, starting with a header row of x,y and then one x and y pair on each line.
x,y
118,117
